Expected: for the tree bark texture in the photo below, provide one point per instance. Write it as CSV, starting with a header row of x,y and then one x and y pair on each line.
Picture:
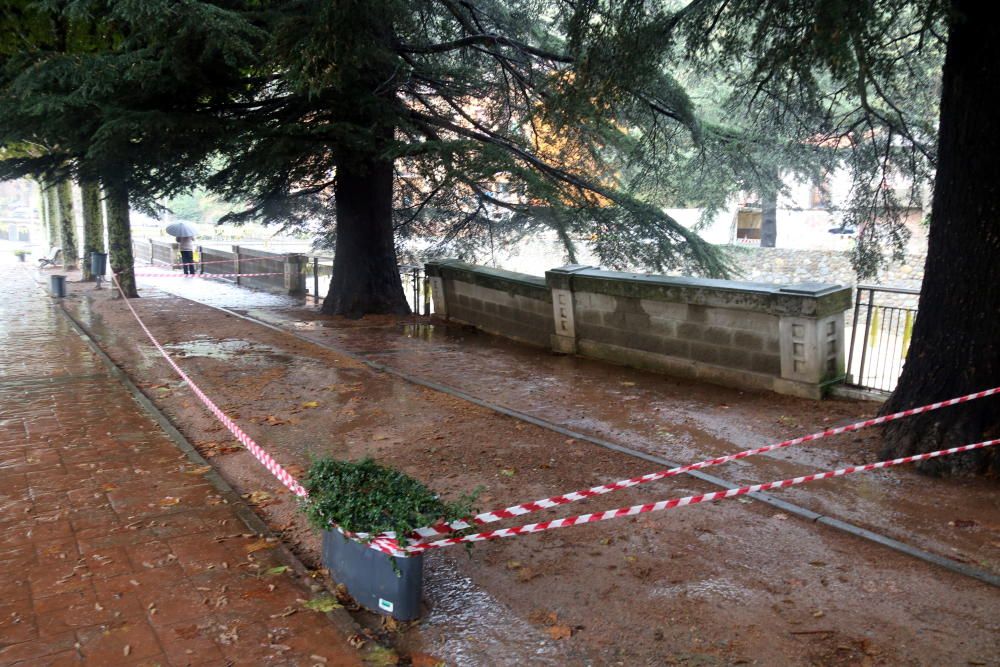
x,y
67,226
52,207
43,206
93,224
768,219
365,272
955,348
120,237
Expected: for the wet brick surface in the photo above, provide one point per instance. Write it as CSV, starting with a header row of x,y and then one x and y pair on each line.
x,y
114,549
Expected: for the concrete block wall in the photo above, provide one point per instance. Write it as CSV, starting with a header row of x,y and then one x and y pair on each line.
x,y
509,304
783,338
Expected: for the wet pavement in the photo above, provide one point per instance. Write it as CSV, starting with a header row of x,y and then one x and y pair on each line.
x,y
115,550
731,583
680,420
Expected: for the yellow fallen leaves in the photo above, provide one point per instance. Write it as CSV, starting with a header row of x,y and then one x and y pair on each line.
x,y
259,545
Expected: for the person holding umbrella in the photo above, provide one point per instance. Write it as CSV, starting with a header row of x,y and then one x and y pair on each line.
x,y
184,233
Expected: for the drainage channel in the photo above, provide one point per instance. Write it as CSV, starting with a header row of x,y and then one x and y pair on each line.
x,y
785,506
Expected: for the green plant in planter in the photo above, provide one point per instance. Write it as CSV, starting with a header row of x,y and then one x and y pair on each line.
x,y
22,253
365,497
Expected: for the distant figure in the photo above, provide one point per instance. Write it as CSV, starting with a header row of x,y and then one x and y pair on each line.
x,y
186,244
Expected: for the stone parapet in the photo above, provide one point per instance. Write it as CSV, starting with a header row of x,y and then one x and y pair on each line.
x,y
785,338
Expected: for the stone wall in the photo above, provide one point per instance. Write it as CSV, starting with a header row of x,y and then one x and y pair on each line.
x,y
509,304
781,265
784,338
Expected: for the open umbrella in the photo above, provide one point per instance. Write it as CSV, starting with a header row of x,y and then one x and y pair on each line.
x,y
179,229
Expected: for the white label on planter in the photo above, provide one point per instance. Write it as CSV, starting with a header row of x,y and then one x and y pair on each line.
x,y
385,605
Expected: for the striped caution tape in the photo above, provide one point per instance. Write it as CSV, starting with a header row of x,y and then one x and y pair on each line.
x,y
258,452
387,543
207,275
564,499
242,260
672,503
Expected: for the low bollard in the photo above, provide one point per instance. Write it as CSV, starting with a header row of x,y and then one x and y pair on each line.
x,y
57,286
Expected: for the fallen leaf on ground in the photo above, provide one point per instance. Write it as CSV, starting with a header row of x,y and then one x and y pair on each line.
x,y
276,421
543,617
559,631
382,657
507,472
323,604
169,501
258,546
356,640
258,497
311,404
198,471
280,569
424,660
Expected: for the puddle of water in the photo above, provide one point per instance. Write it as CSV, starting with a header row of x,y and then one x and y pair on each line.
x,y
221,349
706,589
467,626
217,293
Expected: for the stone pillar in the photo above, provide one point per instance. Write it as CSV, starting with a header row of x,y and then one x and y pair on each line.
x,y
433,272
560,281
812,343
295,274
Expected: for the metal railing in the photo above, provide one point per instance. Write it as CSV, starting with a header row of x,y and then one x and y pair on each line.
x,y
880,336
319,271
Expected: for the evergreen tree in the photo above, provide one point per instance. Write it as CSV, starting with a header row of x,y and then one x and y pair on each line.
x,y
109,89
869,74
93,224
438,118
67,225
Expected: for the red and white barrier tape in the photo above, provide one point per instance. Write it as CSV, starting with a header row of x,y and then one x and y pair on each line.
x,y
206,275
387,544
241,260
258,452
676,502
564,499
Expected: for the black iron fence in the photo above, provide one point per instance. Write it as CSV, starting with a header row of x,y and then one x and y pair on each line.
x,y
319,271
880,336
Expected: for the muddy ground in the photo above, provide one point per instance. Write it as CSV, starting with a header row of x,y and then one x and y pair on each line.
x,y
735,582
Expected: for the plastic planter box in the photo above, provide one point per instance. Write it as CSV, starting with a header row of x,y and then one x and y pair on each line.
x,y
372,580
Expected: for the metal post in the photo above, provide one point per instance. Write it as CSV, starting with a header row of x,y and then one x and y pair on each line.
x,y
236,262
416,290
854,333
864,344
316,278
427,296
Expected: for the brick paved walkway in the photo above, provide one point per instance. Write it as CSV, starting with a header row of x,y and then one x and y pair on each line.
x,y
114,550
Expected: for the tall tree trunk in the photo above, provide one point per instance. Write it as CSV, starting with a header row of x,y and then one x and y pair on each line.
x,y
120,236
93,224
955,347
768,218
43,206
52,207
67,225
365,273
